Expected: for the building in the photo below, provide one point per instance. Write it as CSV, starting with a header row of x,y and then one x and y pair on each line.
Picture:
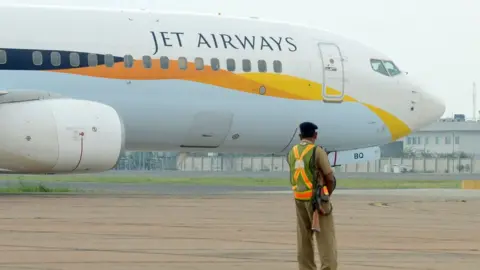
x,y
447,136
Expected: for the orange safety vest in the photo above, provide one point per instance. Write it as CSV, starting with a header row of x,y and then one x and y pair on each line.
x,y
301,172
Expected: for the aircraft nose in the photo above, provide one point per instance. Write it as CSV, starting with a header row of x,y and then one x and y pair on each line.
x,y
435,106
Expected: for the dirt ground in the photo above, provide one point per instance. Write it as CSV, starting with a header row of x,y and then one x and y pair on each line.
x,y
236,232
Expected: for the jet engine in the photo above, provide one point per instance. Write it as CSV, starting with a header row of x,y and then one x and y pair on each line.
x,y
59,136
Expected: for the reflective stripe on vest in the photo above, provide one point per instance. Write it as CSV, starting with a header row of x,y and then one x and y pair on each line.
x,y
300,171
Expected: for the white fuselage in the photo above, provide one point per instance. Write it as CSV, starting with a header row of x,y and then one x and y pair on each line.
x,y
190,82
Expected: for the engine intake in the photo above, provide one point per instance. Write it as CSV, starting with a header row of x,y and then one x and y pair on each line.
x,y
60,136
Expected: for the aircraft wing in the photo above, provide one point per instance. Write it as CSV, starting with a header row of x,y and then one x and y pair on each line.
x,y
21,95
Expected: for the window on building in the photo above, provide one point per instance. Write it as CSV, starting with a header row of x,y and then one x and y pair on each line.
x,y
164,62
277,66
409,140
457,139
230,64
199,63
419,140
147,61
55,59
448,140
215,64
414,140
74,59
426,140
182,63
3,57
128,61
262,66
37,58
92,60
109,60
437,140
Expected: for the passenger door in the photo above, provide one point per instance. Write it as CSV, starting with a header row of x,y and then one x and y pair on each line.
x,y
333,72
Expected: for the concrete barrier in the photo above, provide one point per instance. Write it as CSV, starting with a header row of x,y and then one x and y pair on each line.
x,y
470,184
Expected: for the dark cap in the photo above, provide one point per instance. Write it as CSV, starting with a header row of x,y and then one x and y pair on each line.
x,y
307,129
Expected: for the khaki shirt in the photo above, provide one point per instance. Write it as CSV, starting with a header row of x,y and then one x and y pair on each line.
x,y
322,162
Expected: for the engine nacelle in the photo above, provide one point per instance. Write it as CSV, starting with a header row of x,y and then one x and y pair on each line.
x,y
59,136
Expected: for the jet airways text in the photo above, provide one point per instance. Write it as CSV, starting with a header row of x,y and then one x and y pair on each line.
x,y
225,41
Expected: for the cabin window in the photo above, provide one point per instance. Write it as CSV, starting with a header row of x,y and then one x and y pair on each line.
x,y
55,59
215,64
128,61
230,64
182,63
37,58
147,61
109,60
277,66
199,63
74,59
164,62
247,65
3,57
378,66
262,66
92,60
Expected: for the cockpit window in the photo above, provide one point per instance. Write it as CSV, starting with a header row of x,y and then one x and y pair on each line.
x,y
391,68
387,68
378,66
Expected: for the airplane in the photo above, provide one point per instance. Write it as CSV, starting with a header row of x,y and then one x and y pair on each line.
x,y
81,85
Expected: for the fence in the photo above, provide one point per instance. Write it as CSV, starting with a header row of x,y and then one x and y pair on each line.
x,y
279,164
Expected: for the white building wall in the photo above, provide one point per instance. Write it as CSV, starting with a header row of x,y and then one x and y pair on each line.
x,y
444,141
446,137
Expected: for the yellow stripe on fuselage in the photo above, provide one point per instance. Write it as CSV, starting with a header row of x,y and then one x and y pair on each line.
x,y
306,89
310,90
276,85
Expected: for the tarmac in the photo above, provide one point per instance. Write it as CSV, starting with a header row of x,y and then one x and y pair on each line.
x,y
187,227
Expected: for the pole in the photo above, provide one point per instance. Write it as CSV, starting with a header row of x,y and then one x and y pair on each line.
x,y
474,100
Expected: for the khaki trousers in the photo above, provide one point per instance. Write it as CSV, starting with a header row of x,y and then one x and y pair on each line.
x,y
326,242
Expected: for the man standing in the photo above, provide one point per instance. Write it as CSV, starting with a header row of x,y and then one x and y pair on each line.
x,y
310,172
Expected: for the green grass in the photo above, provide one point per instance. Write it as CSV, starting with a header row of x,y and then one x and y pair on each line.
x,y
232,181
25,188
